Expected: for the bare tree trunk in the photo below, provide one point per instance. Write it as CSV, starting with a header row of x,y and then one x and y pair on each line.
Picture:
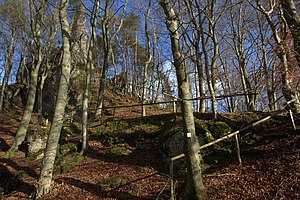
x,y
238,31
40,97
194,185
288,92
45,178
45,68
107,38
293,21
36,20
135,88
8,65
212,87
197,22
201,79
227,86
149,58
89,67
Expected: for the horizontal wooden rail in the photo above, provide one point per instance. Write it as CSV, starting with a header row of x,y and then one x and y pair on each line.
x,y
223,138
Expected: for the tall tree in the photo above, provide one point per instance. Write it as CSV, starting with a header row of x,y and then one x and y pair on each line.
x,y
197,21
108,37
49,58
89,67
13,18
194,188
36,17
240,26
45,178
279,36
149,58
8,64
293,20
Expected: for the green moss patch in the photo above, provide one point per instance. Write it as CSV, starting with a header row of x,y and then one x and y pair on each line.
x,y
113,182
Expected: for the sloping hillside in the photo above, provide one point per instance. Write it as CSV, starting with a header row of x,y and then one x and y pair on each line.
x,y
127,159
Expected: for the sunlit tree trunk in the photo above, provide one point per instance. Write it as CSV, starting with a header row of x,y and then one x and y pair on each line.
x,y
293,20
45,178
89,67
107,39
194,185
213,73
36,23
288,92
197,22
149,58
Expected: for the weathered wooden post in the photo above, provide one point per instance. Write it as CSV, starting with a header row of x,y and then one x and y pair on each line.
x,y
171,173
174,105
292,118
238,151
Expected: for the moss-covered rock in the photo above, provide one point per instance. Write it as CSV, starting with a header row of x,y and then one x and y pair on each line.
x,y
69,164
37,141
113,182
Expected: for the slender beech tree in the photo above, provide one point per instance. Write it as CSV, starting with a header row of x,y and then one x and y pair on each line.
x,y
45,178
268,67
239,28
8,64
149,58
49,59
197,21
194,188
89,67
107,39
293,20
36,17
279,35
13,20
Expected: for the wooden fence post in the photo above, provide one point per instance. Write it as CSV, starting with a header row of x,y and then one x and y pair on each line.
x,y
238,151
292,118
174,106
171,173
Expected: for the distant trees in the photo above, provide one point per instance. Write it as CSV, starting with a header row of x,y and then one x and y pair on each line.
x,y
109,31
13,20
279,33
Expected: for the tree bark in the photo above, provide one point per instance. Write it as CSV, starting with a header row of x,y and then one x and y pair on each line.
x,y
107,38
36,21
287,91
8,65
45,178
194,185
293,21
89,67
149,58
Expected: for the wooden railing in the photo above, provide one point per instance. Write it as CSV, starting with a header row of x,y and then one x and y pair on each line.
x,y
233,134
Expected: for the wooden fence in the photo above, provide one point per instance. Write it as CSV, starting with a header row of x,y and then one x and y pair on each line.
x,y
233,134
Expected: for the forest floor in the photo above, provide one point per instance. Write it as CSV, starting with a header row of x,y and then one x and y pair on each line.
x,y
270,170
